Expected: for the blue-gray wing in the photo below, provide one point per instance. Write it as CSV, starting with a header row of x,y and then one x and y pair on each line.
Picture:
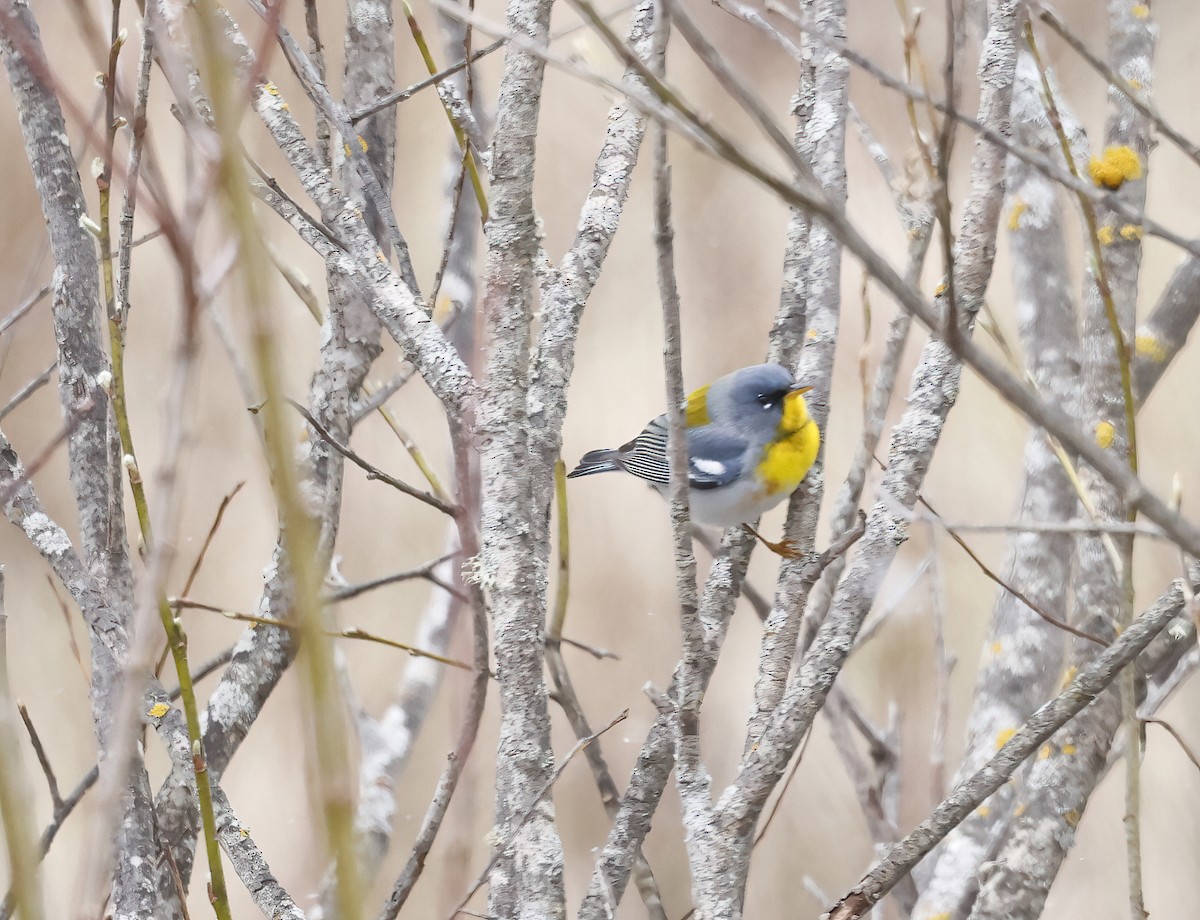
x,y
716,459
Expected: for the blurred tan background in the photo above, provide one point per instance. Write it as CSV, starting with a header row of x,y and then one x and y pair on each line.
x,y
729,237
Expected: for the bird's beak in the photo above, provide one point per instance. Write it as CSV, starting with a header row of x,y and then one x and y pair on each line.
x,y
799,390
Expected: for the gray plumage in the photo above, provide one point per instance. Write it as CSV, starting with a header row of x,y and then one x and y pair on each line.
x,y
744,411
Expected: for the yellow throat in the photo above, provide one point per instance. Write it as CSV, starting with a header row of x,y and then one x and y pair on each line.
x,y
788,458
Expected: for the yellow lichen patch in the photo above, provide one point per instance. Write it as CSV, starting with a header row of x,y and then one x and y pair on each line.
x,y
1140,11
983,811
939,290
1069,749
1019,207
158,710
1019,810
1003,736
997,648
1072,817
285,106
1134,84
1069,675
1104,434
1132,232
812,335
1116,166
1150,347
1044,752
944,915
1106,235
271,88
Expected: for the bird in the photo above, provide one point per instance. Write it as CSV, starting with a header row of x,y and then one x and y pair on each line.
x,y
750,443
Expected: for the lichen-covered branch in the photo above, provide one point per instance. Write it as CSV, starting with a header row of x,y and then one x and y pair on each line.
x,y
1023,654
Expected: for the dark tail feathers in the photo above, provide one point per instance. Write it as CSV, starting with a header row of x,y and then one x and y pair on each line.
x,y
595,461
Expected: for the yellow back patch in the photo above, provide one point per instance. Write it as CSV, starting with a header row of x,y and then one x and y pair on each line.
x,y
696,413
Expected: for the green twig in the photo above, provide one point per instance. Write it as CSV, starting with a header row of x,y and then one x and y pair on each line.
x,y
460,133
325,710
117,317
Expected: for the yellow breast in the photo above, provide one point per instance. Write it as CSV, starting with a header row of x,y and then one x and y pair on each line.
x,y
786,461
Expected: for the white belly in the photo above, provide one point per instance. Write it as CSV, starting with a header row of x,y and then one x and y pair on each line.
x,y
726,506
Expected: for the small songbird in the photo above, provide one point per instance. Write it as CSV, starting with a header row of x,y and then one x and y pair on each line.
x,y
750,443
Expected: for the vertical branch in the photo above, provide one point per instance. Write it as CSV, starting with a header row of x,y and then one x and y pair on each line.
x,y
691,776
370,73
1058,787
527,878
94,476
302,537
933,394
1022,657
16,803
804,336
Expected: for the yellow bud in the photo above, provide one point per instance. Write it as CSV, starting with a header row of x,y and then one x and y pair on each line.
x,y
1150,347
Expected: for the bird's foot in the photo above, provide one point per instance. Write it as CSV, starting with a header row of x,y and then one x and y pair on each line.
x,y
785,548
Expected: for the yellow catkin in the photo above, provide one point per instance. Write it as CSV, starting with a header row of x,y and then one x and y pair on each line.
x,y
1104,434
1150,347
1019,207
1132,232
1116,166
1003,736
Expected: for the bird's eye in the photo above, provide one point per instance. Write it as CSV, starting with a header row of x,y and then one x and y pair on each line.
x,y
766,400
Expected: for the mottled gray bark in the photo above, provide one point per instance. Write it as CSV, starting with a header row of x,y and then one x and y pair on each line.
x,y
527,878
804,335
1023,654
140,884
933,393
1058,786
1083,690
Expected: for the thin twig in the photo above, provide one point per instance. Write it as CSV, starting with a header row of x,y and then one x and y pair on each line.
x,y
212,532
1089,683
503,845
348,632
29,389
43,760
372,472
